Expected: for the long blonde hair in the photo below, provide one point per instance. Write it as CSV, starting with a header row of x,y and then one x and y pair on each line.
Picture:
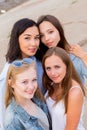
x,y
13,71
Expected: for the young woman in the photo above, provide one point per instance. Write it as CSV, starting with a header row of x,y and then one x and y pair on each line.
x,y
25,105
24,42
65,93
52,34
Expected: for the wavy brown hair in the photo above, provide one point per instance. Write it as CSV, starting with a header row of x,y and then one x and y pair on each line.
x,y
67,81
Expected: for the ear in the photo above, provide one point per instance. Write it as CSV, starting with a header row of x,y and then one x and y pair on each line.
x,y
10,83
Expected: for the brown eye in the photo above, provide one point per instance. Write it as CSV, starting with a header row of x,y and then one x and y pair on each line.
x,y
51,32
57,67
37,38
48,68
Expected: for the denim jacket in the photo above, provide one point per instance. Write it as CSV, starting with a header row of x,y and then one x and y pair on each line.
x,y
18,119
79,66
3,76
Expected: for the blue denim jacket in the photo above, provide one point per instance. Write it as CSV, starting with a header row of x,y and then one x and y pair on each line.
x,y
18,119
3,87
79,66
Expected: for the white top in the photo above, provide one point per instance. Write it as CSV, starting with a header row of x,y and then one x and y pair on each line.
x,y
42,118
58,115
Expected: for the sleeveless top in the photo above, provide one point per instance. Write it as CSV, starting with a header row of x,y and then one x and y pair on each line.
x,y
58,115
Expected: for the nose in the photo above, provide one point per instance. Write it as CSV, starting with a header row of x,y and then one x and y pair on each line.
x,y
33,42
46,37
53,72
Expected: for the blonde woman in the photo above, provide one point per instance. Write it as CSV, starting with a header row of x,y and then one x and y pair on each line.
x,y
25,105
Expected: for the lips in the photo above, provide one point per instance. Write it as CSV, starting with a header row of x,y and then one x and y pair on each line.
x,y
49,44
32,50
30,91
54,78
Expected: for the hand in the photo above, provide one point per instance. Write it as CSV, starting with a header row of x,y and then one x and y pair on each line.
x,y
77,50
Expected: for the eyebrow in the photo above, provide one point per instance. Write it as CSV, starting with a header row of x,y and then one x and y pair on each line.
x,y
30,35
49,29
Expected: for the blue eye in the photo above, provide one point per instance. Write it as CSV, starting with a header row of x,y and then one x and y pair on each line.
x,y
34,80
25,82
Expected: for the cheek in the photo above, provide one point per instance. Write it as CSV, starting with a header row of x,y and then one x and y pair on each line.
x,y
35,85
64,73
48,73
38,42
57,36
43,40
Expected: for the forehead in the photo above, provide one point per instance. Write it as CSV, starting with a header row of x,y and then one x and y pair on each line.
x,y
27,74
46,25
31,30
53,60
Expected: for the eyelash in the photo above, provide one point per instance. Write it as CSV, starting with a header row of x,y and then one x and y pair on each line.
x,y
50,32
47,69
56,67
41,35
28,38
34,80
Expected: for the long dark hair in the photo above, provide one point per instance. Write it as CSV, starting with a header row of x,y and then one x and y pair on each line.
x,y
63,43
67,81
19,27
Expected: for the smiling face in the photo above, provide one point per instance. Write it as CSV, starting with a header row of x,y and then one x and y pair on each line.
x,y
25,84
49,34
55,68
29,41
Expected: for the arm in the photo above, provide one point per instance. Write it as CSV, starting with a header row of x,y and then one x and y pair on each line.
x,y
77,50
2,94
75,103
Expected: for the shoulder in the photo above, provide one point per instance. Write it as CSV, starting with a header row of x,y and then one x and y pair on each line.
x,y
76,93
38,63
75,58
4,71
14,124
3,78
13,118
79,65
9,114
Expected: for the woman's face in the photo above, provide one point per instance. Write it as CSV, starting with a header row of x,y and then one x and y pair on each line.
x,y
49,34
55,68
25,84
29,41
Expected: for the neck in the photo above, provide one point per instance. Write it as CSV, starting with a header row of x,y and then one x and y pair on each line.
x,y
57,91
29,106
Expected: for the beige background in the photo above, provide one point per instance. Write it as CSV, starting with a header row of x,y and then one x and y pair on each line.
x,y
72,14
